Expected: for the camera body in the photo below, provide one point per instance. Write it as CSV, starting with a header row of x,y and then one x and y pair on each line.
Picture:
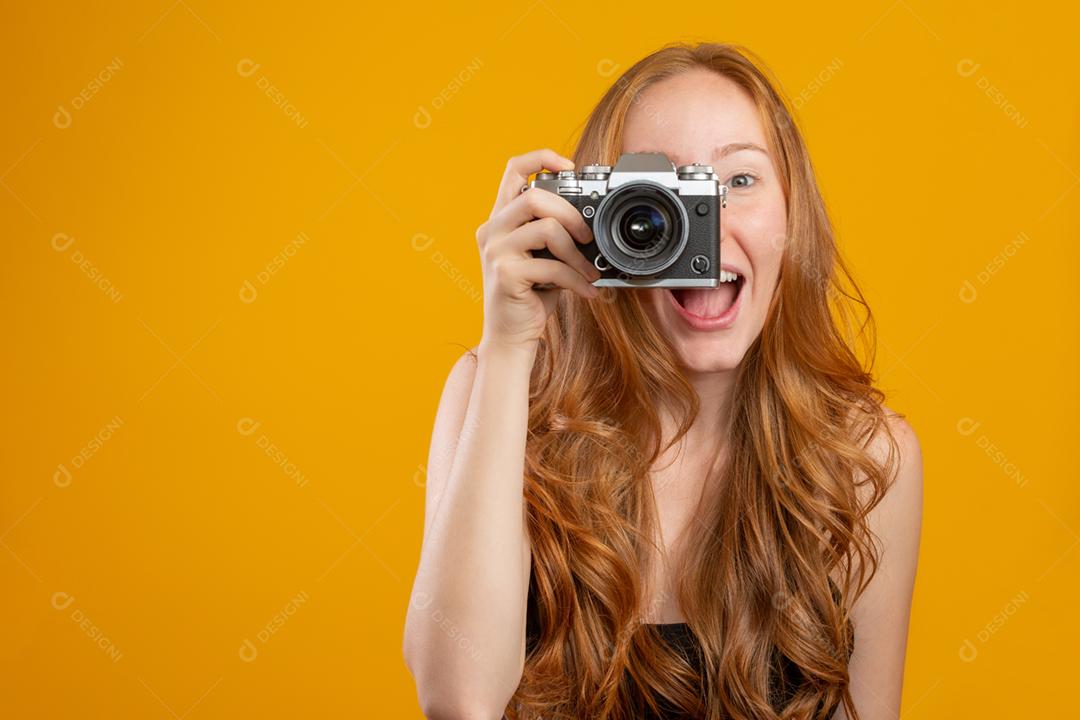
x,y
654,225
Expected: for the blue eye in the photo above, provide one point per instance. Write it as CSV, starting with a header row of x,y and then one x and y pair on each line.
x,y
748,179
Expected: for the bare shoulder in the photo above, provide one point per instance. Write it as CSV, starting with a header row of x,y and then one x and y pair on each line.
x,y
907,458
905,435
894,515
895,520
898,519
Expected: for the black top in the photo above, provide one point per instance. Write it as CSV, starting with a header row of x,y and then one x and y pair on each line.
x,y
681,637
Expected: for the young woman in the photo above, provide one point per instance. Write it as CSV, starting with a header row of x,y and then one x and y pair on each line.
x,y
654,503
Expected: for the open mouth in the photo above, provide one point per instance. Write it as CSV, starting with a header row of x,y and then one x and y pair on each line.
x,y
710,303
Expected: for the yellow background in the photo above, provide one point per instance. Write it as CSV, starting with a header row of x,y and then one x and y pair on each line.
x,y
176,539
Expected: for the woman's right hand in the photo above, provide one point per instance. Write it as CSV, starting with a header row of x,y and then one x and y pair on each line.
x,y
514,312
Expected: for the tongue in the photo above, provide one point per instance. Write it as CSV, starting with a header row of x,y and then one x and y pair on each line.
x,y
708,302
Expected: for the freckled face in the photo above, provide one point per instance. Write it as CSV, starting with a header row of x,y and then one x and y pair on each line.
x,y
691,117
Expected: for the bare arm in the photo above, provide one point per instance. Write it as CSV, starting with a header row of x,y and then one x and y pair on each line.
x,y
465,627
880,616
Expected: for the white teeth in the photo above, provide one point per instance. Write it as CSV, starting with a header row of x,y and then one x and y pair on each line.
x,y
726,276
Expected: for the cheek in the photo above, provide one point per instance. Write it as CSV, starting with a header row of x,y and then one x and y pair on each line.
x,y
766,249
763,237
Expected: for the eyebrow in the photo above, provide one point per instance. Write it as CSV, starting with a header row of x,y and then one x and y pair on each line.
x,y
722,152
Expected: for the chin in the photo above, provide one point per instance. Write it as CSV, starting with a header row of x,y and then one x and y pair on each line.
x,y
697,351
705,354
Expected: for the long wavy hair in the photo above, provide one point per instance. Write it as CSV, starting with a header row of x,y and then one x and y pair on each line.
x,y
756,582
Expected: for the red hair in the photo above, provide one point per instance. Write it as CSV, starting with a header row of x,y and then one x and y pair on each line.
x,y
789,516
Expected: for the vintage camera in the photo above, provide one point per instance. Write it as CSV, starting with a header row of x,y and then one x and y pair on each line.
x,y
654,225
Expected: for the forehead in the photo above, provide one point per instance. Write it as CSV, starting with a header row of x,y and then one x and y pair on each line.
x,y
690,115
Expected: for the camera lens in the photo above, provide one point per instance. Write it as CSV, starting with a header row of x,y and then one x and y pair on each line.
x,y
642,227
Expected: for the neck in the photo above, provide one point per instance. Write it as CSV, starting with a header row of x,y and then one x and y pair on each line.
x,y
710,427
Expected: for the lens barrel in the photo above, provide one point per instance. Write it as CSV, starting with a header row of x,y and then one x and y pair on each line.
x,y
641,227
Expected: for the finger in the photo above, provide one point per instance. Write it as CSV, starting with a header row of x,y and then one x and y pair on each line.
x,y
518,169
556,272
549,233
540,203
